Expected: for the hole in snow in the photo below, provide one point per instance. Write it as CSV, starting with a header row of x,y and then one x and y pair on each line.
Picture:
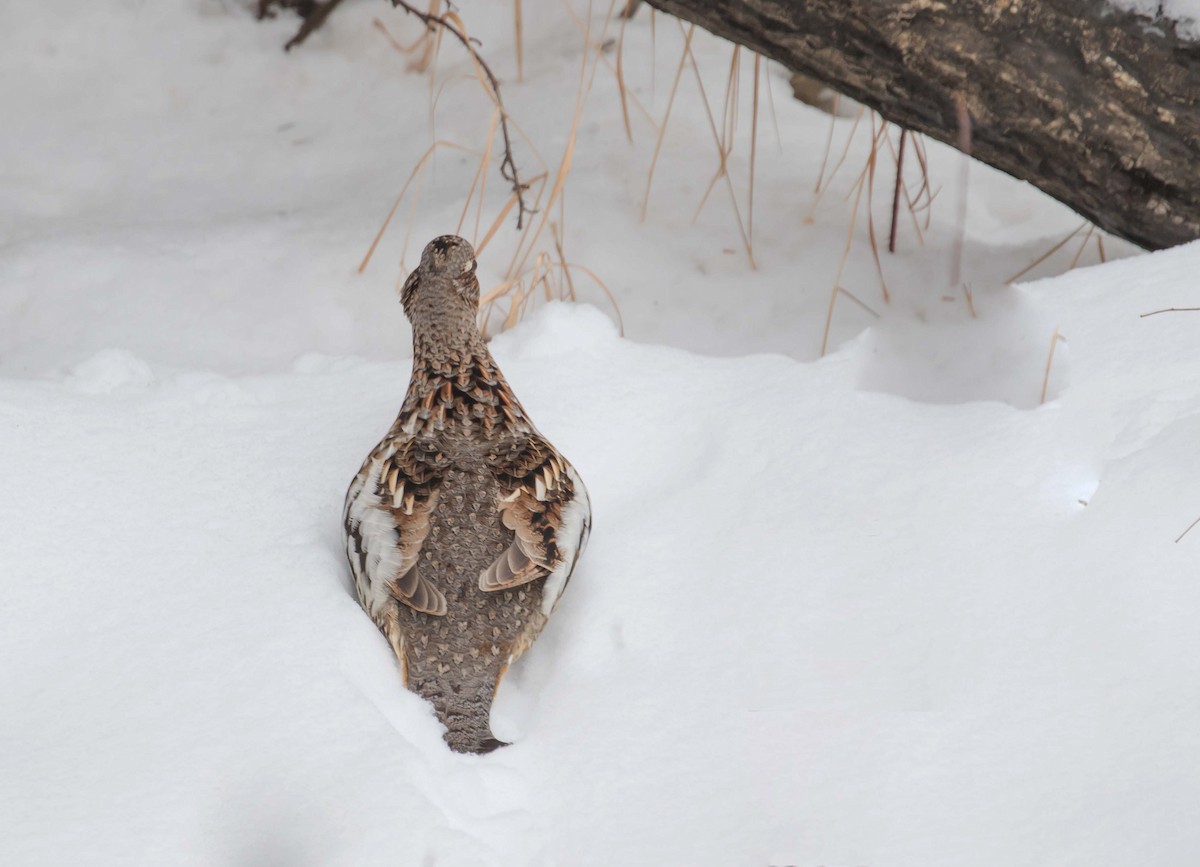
x,y
937,353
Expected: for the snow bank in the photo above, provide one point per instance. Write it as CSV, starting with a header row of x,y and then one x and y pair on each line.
x,y
815,625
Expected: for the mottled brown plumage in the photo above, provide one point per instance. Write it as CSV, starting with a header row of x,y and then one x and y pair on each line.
x,y
464,523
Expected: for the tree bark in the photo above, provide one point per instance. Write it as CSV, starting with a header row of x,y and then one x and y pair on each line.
x,y
1095,106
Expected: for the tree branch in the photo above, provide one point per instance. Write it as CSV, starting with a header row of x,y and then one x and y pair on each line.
x,y
1094,105
314,19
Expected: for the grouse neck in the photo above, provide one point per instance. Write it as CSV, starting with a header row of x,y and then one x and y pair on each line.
x,y
455,384
447,341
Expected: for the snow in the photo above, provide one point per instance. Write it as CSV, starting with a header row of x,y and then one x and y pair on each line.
x,y
879,607
1184,13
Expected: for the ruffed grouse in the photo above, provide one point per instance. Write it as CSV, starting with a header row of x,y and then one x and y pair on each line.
x,y
464,523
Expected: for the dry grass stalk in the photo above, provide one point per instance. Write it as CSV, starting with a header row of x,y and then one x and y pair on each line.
x,y
394,42
729,112
925,189
539,181
562,260
653,52
417,169
921,200
753,149
483,176
722,171
866,177
822,182
833,119
864,181
428,42
480,179
723,133
626,95
604,288
774,115
662,129
1082,246
564,167
871,162
1054,341
624,92
517,27
837,280
549,276
970,299
725,143
964,145
842,290
1042,258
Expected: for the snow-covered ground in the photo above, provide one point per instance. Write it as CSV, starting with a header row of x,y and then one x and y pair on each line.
x,y
876,608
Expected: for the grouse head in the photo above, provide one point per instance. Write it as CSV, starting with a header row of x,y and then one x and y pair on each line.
x,y
445,280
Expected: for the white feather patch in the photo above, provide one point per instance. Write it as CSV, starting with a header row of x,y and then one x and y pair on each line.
x,y
380,540
572,539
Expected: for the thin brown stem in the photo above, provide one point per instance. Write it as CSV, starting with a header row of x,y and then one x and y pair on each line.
x,y
517,35
1042,258
964,145
1049,364
896,192
753,147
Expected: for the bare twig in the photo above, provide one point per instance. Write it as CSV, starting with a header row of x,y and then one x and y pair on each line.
x,y
312,20
266,8
1171,310
911,204
1188,530
508,168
